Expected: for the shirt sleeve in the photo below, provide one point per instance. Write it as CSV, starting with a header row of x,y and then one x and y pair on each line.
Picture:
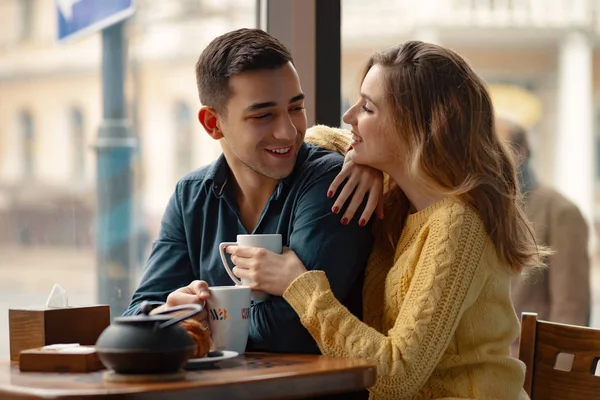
x,y
445,283
321,242
569,269
169,264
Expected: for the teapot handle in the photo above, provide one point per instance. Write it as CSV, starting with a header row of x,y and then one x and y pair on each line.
x,y
195,310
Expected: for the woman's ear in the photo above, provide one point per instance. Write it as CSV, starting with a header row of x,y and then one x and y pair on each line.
x,y
209,118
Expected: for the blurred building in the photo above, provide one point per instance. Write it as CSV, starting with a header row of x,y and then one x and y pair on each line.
x,y
50,93
547,47
51,107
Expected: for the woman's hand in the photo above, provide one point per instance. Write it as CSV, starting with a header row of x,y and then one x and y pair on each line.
x,y
361,180
267,271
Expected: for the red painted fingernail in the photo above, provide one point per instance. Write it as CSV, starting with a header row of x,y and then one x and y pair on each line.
x,y
344,221
330,194
362,222
335,209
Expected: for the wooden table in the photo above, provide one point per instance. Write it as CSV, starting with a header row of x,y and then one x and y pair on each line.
x,y
249,376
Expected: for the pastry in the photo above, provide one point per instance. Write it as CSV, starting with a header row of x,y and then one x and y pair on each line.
x,y
200,335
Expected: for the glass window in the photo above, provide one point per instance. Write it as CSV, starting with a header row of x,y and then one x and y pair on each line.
x,y
48,219
27,10
535,45
28,144
183,139
78,144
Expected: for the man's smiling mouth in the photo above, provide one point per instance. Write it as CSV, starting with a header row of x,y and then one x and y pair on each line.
x,y
283,150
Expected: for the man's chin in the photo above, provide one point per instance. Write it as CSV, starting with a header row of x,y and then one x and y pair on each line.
x,y
279,175
281,171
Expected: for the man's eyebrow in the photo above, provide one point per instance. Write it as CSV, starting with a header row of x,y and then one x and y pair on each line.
x,y
298,97
267,104
258,106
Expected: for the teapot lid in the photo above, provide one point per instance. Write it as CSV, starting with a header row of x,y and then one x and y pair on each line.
x,y
145,308
167,320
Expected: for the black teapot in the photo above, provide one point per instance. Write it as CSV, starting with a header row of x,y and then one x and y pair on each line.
x,y
147,344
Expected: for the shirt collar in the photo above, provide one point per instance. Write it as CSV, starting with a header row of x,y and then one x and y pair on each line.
x,y
217,175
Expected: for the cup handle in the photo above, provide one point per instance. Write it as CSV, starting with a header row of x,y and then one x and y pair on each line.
x,y
226,264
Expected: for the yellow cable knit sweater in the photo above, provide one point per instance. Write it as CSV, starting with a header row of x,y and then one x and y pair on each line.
x,y
438,319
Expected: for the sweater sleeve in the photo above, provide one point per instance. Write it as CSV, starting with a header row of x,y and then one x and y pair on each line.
x,y
332,139
446,281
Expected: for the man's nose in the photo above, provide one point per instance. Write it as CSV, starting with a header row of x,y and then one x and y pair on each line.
x,y
286,130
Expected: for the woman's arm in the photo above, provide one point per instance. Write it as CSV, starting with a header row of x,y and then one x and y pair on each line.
x,y
444,284
356,181
332,139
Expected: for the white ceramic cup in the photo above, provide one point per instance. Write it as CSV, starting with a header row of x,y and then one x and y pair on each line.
x,y
229,317
271,242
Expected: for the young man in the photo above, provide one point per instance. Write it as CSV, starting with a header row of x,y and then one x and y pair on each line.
x,y
267,181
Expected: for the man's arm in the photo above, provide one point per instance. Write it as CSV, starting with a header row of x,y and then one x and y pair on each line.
x,y
320,241
169,266
569,269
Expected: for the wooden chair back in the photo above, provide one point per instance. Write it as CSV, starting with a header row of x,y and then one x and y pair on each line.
x,y
561,360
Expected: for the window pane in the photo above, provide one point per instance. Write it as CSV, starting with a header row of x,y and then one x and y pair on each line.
x,y
50,113
28,144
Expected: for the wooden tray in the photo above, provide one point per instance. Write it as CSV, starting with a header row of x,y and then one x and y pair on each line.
x,y
51,360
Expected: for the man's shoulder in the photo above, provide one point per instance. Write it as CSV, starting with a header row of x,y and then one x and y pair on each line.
x,y
199,179
215,171
321,160
547,206
550,198
198,175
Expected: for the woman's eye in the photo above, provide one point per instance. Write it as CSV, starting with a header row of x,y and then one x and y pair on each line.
x,y
262,116
367,110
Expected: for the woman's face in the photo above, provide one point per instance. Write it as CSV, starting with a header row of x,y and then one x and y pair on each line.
x,y
368,118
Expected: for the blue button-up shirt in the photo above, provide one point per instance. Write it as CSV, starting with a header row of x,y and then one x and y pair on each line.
x,y
203,213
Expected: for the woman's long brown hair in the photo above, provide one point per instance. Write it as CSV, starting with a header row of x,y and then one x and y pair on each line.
x,y
443,123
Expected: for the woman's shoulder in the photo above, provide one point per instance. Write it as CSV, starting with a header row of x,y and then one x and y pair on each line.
x,y
459,226
454,215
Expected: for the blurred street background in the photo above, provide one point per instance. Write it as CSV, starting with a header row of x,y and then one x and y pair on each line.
x,y
541,59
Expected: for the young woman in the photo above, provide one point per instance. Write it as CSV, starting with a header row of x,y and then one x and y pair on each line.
x,y
438,319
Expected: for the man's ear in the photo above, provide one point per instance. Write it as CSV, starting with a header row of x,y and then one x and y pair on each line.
x,y
209,118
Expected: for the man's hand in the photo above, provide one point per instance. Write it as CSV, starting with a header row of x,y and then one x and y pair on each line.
x,y
194,293
360,180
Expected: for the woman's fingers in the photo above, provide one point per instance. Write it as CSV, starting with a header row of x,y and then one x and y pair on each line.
x,y
339,179
369,208
357,198
345,194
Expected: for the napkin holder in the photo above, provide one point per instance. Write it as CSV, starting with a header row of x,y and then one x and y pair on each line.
x,y
35,328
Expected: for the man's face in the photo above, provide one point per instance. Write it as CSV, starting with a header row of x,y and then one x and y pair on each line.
x,y
503,130
265,122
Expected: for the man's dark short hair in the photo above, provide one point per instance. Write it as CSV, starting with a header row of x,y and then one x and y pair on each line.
x,y
233,53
